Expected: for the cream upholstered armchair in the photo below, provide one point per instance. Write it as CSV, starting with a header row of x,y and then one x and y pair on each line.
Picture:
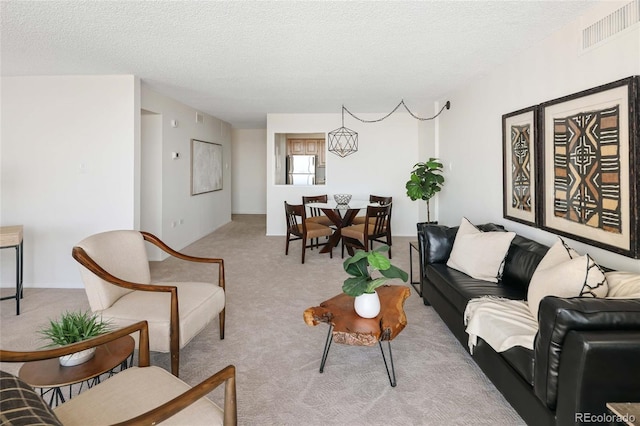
x,y
141,395
117,280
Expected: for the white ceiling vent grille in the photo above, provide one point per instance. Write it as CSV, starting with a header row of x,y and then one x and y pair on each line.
x,y
615,22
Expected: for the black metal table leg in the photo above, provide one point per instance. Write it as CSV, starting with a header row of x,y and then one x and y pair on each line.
x,y
327,346
392,375
19,280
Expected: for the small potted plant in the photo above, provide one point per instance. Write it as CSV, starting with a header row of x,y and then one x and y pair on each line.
x,y
425,182
362,285
74,327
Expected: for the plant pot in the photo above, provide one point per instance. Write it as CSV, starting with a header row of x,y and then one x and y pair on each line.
x,y
367,305
77,358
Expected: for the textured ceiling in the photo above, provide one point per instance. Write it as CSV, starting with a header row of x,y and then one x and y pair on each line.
x,y
241,60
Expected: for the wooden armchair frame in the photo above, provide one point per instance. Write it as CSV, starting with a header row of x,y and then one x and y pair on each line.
x,y
85,260
227,375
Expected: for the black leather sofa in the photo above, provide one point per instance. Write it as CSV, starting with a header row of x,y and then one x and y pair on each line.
x,y
586,352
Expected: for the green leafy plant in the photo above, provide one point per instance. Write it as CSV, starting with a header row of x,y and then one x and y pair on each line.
x,y
362,264
74,327
425,182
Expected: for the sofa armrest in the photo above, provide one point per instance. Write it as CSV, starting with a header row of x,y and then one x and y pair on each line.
x,y
597,367
559,316
435,242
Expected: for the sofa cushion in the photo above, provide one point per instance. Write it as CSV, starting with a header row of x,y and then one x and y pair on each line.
x,y
435,242
522,259
133,392
522,360
198,304
479,254
459,288
21,405
564,273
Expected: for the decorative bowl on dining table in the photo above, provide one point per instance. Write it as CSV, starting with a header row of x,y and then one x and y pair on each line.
x,y
342,199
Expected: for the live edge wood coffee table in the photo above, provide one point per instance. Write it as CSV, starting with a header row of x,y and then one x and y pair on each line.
x,y
349,328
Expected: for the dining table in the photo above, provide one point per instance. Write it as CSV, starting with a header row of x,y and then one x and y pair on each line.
x,y
341,215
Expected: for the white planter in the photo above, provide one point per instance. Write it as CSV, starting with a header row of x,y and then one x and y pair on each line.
x,y
77,357
367,305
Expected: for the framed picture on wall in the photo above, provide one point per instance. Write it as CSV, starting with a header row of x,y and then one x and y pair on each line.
x,y
520,165
206,167
591,156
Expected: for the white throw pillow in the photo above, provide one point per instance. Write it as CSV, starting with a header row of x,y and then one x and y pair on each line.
x,y
558,253
564,273
623,285
479,254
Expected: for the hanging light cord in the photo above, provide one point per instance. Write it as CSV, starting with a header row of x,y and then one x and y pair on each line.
x,y
344,108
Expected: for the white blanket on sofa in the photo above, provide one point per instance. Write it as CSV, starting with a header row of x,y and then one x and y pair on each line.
x,y
502,323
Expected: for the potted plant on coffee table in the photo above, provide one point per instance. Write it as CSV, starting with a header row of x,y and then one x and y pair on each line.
x,y
74,327
425,182
362,284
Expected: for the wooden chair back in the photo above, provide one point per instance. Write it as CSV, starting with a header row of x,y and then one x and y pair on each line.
x,y
314,211
377,221
383,201
295,219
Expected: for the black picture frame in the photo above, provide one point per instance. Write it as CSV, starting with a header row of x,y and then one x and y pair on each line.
x,y
520,157
590,162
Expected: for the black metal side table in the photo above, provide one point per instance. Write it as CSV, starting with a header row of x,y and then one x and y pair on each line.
x,y
11,237
417,285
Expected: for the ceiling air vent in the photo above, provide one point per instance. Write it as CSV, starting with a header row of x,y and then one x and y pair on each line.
x,y
612,24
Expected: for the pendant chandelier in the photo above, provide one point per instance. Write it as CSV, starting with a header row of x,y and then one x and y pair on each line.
x,y
344,141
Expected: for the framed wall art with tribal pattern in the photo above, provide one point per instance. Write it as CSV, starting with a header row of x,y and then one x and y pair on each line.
x,y
590,157
520,165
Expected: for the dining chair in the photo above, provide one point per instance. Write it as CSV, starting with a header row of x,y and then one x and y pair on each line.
x,y
298,228
115,271
376,227
315,214
138,395
383,201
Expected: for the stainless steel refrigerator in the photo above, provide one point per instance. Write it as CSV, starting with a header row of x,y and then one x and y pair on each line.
x,y
301,169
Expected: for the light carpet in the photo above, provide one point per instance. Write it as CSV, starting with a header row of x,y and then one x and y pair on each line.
x,y
277,355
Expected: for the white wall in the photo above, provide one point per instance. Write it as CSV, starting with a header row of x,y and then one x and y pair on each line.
x,y
386,154
249,169
427,149
68,146
71,166
151,178
470,136
200,214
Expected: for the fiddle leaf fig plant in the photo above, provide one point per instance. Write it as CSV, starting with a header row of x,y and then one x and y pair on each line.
x,y
425,182
361,266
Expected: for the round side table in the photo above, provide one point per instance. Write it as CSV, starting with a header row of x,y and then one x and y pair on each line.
x,y
50,374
